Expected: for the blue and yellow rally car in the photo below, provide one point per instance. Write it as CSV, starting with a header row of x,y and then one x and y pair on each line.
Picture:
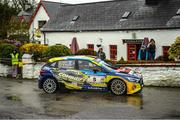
x,y
87,73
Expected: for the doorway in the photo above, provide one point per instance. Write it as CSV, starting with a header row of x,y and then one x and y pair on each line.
x,y
132,51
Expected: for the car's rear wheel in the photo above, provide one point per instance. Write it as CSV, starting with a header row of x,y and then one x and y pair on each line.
x,y
50,85
118,87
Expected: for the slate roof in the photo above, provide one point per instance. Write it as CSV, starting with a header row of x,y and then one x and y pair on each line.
x,y
107,16
51,7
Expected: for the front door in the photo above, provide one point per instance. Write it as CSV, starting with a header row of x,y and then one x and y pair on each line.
x,y
132,51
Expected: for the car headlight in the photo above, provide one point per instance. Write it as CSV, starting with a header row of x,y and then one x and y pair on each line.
x,y
133,79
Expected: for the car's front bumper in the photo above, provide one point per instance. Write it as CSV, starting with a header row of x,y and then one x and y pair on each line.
x,y
133,87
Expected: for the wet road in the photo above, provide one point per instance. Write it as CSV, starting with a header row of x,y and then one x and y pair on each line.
x,y
22,99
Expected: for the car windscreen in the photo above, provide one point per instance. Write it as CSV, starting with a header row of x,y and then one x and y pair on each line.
x,y
105,65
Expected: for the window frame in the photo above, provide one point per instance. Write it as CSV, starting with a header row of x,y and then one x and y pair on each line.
x,y
74,67
113,52
101,69
90,46
40,21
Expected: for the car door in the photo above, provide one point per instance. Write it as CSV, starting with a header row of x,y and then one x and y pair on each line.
x,y
96,75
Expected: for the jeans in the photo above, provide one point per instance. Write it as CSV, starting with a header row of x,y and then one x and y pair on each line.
x,y
151,56
14,71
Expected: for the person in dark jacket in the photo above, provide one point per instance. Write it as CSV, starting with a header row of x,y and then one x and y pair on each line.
x,y
100,54
151,49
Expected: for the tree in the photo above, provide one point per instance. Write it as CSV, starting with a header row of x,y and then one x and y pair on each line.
x,y
9,9
19,4
174,50
18,29
6,13
23,4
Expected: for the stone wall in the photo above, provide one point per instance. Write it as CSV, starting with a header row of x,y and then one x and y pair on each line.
x,y
5,70
31,71
153,76
161,76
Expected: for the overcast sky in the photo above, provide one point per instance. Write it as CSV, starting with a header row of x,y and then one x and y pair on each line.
x,y
75,1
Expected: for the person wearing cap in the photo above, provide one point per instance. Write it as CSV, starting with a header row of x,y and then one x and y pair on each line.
x,y
15,62
100,54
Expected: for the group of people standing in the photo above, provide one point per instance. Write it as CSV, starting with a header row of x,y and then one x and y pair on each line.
x,y
147,50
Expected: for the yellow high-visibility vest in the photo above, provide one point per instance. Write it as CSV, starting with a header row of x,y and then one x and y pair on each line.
x,y
14,59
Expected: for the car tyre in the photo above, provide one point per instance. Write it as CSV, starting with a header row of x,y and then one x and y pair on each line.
x,y
118,87
50,85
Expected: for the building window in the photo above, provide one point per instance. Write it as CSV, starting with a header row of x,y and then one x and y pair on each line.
x,y
41,23
126,15
75,18
165,51
113,52
90,46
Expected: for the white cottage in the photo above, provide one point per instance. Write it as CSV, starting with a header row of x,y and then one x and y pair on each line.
x,y
45,10
119,26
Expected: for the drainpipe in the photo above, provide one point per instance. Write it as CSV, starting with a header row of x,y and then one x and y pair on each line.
x,y
44,38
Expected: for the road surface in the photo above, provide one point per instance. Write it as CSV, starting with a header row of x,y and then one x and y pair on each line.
x,y
22,99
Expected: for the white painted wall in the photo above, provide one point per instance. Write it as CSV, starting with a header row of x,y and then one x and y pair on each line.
x,y
162,38
41,15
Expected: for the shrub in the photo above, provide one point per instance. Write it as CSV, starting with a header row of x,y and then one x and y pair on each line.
x,y
162,58
20,37
14,42
86,52
174,50
5,51
57,51
36,49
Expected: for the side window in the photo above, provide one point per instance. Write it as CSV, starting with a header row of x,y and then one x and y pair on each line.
x,y
87,65
52,65
68,64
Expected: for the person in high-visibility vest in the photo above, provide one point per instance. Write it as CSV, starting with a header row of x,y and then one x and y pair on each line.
x,y
15,63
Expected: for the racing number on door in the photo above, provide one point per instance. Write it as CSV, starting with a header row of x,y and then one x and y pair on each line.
x,y
94,72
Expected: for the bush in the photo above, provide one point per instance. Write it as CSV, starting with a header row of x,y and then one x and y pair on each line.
x,y
174,50
21,37
14,42
36,49
86,52
57,51
5,51
162,58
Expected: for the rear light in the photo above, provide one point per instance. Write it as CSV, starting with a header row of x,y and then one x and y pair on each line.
x,y
42,71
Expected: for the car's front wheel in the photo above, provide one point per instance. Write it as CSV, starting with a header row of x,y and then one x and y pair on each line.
x,y
118,87
50,85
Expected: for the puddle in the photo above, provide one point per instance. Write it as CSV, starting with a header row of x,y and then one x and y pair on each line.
x,y
13,98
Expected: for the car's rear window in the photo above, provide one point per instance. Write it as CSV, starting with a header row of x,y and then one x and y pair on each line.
x,y
50,64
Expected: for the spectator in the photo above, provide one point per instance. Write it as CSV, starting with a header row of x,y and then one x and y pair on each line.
x,y
151,49
100,54
15,62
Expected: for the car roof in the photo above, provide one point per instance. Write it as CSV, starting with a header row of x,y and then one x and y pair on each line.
x,y
77,57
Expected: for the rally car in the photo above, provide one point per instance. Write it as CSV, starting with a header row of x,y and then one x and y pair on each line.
x,y
86,73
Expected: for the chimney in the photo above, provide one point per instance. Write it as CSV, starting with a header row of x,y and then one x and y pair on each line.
x,y
151,2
